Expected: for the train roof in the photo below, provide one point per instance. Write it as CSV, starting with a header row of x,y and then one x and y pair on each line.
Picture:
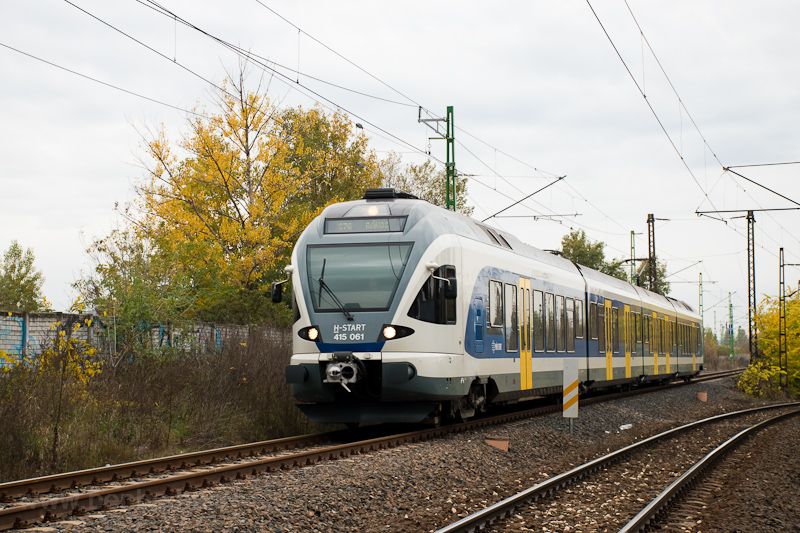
x,y
443,221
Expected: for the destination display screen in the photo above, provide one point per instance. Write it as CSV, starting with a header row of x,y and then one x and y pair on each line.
x,y
364,225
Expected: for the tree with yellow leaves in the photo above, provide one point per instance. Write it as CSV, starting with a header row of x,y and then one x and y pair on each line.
x,y
765,375
229,200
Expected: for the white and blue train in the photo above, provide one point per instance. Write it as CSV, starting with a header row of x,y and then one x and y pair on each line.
x,y
404,311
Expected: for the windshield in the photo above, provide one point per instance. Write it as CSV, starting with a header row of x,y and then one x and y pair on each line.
x,y
362,277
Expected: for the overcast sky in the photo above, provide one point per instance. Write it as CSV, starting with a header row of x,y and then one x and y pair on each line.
x,y
537,88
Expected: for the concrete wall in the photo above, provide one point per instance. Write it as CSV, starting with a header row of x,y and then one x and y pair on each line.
x,y
28,334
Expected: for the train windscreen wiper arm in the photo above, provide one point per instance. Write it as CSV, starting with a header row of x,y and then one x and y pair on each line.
x,y
336,300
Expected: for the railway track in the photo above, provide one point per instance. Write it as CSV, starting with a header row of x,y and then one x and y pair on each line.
x,y
73,494
660,512
605,493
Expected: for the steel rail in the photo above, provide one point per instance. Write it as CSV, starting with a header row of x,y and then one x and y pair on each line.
x,y
95,476
508,506
651,511
131,491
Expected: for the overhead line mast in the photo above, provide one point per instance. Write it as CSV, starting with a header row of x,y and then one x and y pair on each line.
x,y
752,297
450,164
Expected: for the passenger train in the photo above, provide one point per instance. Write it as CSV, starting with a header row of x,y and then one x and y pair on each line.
x,y
404,312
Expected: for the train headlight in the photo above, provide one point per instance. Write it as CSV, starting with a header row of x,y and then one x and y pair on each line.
x,y
391,332
311,333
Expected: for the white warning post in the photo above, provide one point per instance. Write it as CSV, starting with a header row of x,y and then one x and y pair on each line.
x,y
570,400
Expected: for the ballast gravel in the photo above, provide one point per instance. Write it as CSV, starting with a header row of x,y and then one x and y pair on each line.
x,y
419,487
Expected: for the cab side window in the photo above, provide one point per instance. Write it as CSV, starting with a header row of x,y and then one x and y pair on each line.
x,y
430,305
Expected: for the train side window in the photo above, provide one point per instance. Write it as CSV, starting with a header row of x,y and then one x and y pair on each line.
x,y
538,321
642,326
495,304
571,325
601,328
626,326
674,334
578,319
615,330
526,325
512,326
449,305
430,305
654,338
561,324
592,320
671,336
550,322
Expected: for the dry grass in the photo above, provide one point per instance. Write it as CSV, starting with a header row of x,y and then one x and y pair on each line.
x,y
152,403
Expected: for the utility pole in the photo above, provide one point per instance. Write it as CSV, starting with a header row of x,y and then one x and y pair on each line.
x,y
714,327
783,353
730,326
752,296
450,165
702,329
451,161
651,245
782,320
633,254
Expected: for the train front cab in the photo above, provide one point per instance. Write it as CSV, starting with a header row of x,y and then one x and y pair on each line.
x,y
351,371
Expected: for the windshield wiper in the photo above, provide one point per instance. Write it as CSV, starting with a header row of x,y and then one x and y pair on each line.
x,y
336,300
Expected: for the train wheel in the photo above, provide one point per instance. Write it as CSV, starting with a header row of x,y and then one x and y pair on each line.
x,y
474,402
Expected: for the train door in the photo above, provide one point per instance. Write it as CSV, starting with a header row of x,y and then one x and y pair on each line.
x,y
525,360
626,324
609,339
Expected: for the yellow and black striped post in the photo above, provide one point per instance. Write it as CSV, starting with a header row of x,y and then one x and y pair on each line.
x,y
570,394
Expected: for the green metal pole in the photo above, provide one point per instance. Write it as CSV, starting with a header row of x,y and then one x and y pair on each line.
x,y
633,254
702,328
451,162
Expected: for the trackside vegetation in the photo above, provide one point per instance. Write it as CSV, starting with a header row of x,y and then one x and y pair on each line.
x,y
769,376
69,409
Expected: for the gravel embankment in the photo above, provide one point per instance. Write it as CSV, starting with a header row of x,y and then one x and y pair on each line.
x,y
418,487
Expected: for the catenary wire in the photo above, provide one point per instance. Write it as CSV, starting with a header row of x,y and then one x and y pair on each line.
x,y
159,10
233,48
670,83
638,87
336,53
137,95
